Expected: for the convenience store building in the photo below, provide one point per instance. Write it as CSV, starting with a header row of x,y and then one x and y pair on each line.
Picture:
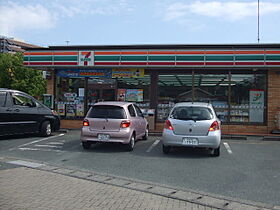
x,y
242,81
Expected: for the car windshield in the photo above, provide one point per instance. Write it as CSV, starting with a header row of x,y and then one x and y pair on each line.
x,y
107,111
191,113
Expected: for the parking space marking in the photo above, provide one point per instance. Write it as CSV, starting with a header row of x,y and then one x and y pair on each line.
x,y
50,146
36,149
26,163
36,141
228,147
153,145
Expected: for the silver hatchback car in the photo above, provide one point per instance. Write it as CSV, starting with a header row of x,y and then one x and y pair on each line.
x,y
192,125
114,122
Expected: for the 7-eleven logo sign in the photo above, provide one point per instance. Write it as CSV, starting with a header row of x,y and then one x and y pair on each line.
x,y
86,58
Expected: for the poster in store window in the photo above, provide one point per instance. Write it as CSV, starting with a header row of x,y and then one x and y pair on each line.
x,y
61,109
80,110
121,94
256,105
135,95
70,110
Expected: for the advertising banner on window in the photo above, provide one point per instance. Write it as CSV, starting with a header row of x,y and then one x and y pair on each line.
x,y
80,110
256,105
94,73
61,109
128,73
135,95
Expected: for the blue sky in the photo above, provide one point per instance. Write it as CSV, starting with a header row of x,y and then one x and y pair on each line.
x,y
106,22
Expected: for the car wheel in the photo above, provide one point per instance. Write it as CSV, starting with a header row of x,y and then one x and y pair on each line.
x,y
145,137
166,149
46,129
216,152
86,145
131,144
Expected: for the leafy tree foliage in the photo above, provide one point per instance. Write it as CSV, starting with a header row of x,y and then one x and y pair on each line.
x,y
14,75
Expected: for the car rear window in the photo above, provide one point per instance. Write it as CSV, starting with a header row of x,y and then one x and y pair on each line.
x,y
107,111
191,113
2,98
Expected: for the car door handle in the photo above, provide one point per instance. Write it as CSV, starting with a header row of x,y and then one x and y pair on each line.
x,y
17,110
8,110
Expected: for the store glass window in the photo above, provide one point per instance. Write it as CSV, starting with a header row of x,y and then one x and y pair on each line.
x,y
70,93
213,88
101,90
248,96
134,89
172,88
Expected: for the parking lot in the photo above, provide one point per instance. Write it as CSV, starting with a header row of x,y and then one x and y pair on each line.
x,y
246,169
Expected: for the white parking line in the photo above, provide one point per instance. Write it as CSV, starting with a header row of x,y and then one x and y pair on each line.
x,y
228,147
45,145
153,145
33,142
26,163
35,149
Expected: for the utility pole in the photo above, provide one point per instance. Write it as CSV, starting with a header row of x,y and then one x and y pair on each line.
x,y
258,21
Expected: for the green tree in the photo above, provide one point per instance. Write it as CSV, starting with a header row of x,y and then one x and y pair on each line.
x,y
14,75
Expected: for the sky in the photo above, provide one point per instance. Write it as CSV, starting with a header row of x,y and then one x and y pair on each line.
x,y
125,22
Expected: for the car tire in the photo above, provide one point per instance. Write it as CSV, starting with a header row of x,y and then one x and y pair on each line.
x,y
131,144
166,149
216,152
86,145
45,129
145,137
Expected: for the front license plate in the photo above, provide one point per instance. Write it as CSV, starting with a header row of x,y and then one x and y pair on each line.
x,y
103,137
190,141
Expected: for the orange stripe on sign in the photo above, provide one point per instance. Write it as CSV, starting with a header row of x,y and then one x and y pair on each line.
x,y
107,53
134,53
38,53
249,52
189,52
272,52
65,53
219,52
162,52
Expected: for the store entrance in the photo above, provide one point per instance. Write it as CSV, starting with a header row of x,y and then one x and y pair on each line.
x,y
101,90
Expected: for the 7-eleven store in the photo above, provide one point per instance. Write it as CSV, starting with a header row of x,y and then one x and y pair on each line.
x,y
241,81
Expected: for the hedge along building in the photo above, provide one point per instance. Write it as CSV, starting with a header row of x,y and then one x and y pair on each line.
x,y
240,80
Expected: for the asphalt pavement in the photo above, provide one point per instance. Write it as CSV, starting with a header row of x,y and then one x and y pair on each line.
x,y
246,173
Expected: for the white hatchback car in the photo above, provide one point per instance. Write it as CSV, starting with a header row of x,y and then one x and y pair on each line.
x,y
192,124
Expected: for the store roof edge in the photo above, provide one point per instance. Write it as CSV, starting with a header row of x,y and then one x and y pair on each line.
x,y
158,46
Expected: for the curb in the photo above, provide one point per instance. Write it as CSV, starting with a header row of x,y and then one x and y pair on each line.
x,y
181,194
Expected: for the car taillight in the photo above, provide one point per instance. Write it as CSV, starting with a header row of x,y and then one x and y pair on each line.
x,y
215,126
168,125
85,123
125,124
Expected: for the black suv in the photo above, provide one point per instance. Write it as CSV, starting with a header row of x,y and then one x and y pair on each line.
x,y
20,113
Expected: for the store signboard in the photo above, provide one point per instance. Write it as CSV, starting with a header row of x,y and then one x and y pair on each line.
x,y
128,73
94,73
121,94
256,105
86,58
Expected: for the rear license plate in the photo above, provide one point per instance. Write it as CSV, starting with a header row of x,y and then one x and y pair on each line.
x,y
190,141
103,137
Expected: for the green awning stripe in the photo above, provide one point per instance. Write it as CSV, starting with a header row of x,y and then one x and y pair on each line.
x,y
189,58
133,58
273,57
161,58
106,58
65,58
41,58
219,58
249,57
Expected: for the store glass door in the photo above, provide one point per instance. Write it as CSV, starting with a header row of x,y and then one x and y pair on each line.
x,y
101,90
